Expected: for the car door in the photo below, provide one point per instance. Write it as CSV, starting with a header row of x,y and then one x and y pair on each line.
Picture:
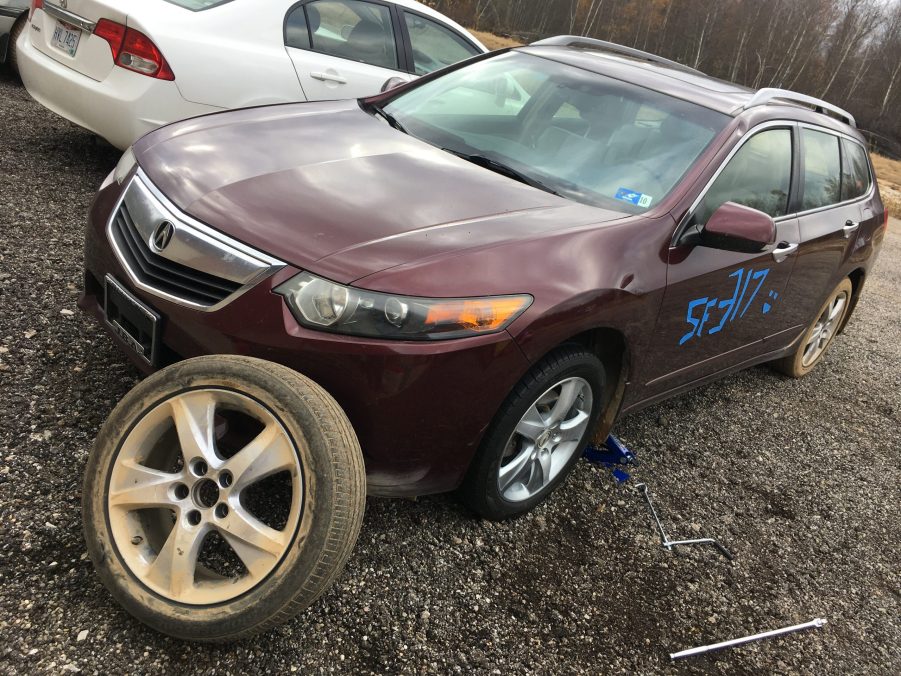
x,y
834,177
344,49
719,306
434,45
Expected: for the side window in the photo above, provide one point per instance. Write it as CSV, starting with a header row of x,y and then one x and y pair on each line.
x,y
296,32
757,176
435,46
349,29
855,170
822,172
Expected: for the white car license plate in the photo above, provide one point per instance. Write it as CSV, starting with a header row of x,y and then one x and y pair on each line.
x,y
66,37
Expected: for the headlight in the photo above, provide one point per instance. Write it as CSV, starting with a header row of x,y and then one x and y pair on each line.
x,y
126,164
320,304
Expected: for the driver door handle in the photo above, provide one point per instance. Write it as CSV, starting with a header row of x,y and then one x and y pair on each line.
x,y
850,228
783,250
329,77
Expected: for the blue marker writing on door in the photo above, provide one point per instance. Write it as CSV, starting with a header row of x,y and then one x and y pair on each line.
x,y
715,315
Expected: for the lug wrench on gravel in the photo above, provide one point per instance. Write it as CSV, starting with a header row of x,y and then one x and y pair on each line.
x,y
669,544
813,624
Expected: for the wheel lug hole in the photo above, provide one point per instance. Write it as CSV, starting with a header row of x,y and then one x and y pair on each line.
x,y
194,517
226,479
180,491
199,467
221,510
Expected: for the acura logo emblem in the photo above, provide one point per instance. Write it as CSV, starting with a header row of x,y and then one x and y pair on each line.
x,y
162,236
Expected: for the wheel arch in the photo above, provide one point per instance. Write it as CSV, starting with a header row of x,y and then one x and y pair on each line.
x,y
857,277
611,347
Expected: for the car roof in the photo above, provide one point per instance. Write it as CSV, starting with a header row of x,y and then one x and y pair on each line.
x,y
679,81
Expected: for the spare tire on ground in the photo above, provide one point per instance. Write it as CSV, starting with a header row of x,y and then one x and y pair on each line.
x,y
223,496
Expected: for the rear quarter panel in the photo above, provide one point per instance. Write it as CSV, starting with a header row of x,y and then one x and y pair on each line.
x,y
228,56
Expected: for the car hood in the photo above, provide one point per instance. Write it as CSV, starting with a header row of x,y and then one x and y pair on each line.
x,y
329,188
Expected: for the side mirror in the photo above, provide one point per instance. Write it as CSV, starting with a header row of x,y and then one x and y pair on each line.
x,y
392,82
735,227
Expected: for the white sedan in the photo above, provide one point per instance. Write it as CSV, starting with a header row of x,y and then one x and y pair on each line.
x,y
121,68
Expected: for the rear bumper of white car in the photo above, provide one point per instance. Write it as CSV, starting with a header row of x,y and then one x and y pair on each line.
x,y
121,108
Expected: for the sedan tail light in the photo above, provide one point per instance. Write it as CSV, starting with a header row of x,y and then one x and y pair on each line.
x,y
113,33
35,4
133,50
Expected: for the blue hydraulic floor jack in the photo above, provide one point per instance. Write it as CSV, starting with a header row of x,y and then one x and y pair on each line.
x,y
612,455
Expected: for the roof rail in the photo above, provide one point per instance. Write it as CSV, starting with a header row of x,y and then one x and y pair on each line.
x,y
768,94
578,41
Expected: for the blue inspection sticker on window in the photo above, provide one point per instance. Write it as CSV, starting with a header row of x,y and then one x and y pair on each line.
x,y
634,197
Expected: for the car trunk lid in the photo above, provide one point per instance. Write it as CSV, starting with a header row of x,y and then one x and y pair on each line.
x,y
64,31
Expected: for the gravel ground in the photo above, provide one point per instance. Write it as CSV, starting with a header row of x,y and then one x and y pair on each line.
x,y
799,478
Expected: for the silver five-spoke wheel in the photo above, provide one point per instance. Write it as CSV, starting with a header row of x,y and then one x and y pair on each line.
x,y
545,439
824,329
223,495
180,503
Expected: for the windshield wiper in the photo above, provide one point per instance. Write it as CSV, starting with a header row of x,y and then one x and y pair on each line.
x,y
388,117
503,169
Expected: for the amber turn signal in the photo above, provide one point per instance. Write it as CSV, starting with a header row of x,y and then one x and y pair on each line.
x,y
481,314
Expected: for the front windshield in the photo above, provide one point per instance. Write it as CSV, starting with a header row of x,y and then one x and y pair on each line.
x,y
588,137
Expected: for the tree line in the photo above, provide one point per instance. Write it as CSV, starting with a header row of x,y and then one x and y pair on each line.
x,y
845,51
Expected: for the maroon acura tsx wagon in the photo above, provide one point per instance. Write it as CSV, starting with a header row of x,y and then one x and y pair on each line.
x,y
490,265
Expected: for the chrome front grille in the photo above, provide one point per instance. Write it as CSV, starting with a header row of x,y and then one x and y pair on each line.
x,y
195,266
165,275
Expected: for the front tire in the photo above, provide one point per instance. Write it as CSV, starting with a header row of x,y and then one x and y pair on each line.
x,y
820,333
537,436
223,496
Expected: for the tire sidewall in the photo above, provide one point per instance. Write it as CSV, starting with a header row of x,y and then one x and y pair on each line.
x,y
258,605
482,479
12,58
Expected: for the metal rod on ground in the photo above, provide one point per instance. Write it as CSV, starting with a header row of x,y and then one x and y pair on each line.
x,y
813,624
669,544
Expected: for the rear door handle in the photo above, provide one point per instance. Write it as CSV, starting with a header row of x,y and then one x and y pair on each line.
x,y
783,250
850,228
329,77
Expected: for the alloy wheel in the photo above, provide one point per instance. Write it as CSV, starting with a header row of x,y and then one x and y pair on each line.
x,y
824,329
205,496
545,439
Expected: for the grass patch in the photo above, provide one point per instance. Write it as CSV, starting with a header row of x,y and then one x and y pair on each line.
x,y
492,41
888,172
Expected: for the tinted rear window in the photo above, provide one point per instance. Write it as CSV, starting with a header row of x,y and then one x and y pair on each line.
x,y
197,5
855,171
822,172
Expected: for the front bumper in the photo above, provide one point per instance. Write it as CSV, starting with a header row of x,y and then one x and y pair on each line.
x,y
121,108
419,409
